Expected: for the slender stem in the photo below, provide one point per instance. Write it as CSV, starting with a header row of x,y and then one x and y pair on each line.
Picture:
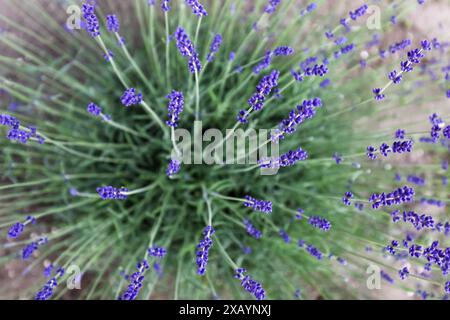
x,y
166,18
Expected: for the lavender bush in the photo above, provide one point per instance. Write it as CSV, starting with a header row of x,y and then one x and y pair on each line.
x,y
91,175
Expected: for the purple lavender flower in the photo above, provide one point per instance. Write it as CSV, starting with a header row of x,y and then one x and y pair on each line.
x,y
403,273
250,285
215,46
320,223
299,214
16,229
285,160
283,51
263,89
313,251
396,197
446,132
447,287
47,290
378,94
386,277
284,235
130,98
258,205
187,49
197,8
346,198
93,109
271,7
173,167
306,110
394,77
420,181
109,192
358,12
108,56
30,248
399,46
90,19
112,23
337,158
135,281
203,250
175,107
400,134
402,146
251,230
264,64
165,5
9,121
158,252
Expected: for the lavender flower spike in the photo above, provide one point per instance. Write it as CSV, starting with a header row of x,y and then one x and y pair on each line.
x,y
250,285
173,167
29,249
215,46
91,21
203,250
272,6
197,8
109,192
285,160
398,196
130,98
165,5
135,282
47,290
175,107
251,230
187,49
320,223
17,228
263,89
112,23
258,205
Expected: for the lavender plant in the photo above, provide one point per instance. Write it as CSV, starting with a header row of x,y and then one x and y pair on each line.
x,y
104,187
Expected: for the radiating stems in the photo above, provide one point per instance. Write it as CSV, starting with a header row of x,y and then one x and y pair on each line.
x,y
124,83
225,254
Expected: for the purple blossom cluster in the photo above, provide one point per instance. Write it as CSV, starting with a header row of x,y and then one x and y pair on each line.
x,y
157,252
30,248
251,230
271,6
313,251
186,48
203,250
17,228
112,23
316,70
297,116
47,290
175,107
420,181
197,8
253,287
285,160
432,202
320,223
16,132
131,98
165,5
344,50
399,146
396,197
109,192
258,205
346,198
135,281
358,12
285,236
263,89
90,19
215,46
173,167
